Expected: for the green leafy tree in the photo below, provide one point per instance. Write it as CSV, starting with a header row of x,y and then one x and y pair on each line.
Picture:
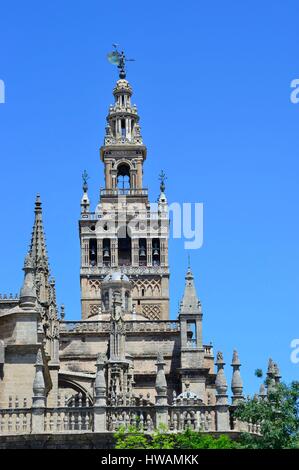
x,y
277,415
162,439
130,439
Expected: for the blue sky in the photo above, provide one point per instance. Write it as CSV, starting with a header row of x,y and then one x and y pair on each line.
x,y
212,85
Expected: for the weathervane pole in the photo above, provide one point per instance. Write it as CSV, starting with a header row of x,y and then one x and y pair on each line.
x,y
118,58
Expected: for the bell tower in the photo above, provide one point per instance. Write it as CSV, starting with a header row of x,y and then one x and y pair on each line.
x,y
125,233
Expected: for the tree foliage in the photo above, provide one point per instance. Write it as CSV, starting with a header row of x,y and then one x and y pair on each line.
x,y
278,416
162,439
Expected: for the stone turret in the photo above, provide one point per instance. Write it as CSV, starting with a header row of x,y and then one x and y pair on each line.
x,y
236,385
192,351
28,292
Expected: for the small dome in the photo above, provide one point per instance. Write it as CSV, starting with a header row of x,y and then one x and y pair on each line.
x,y
188,394
116,277
122,86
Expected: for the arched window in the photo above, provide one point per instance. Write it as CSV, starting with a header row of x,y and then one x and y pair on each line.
x,y
93,252
124,247
127,301
123,177
106,300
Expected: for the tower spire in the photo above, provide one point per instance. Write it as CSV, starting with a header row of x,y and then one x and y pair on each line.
x,y
190,303
38,249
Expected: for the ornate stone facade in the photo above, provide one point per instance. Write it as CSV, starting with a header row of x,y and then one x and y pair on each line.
x,y
125,362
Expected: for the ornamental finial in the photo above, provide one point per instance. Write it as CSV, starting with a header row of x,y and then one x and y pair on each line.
x,y
162,178
85,179
118,58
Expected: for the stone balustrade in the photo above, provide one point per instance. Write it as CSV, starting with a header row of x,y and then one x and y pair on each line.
x,y
197,418
68,327
78,416
125,417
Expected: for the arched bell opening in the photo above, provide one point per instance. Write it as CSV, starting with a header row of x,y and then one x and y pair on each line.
x,y
123,177
124,247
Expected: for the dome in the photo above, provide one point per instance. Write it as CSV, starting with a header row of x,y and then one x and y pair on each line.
x,y
122,86
187,395
116,277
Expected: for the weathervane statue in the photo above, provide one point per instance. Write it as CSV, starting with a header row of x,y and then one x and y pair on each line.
x,y
118,58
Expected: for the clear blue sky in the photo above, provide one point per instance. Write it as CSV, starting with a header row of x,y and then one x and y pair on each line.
x,y
212,85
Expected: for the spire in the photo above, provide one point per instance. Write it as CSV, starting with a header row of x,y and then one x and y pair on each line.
x,y
190,302
28,292
38,250
236,385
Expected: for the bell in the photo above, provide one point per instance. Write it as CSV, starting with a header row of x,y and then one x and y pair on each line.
x,y
155,250
106,253
142,252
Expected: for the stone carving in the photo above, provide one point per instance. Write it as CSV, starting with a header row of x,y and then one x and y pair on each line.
x,y
94,284
151,311
151,287
95,309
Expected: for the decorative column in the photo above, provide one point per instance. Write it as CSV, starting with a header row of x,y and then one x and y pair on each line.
x,y
135,252
149,250
161,390
139,174
237,385
222,410
85,253
100,252
39,396
28,291
100,396
114,252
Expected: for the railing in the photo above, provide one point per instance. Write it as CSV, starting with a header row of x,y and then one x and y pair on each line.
x,y
80,418
158,326
8,297
15,421
68,419
250,427
197,418
140,418
124,192
129,270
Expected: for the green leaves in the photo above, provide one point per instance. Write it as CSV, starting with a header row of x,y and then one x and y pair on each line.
x,y
163,439
277,415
